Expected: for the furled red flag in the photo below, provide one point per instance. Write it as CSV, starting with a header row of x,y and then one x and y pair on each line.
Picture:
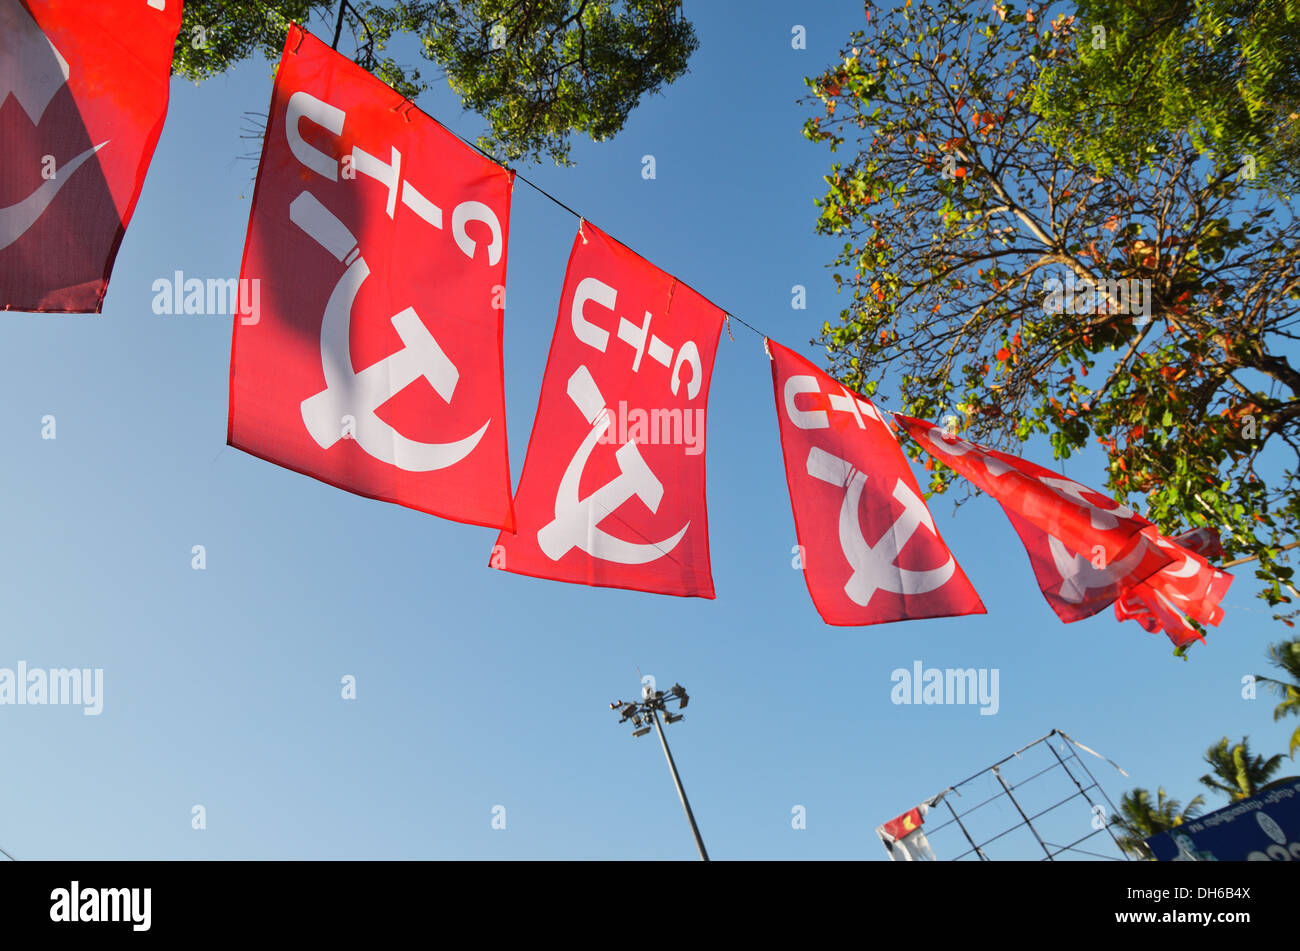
x,y
904,838
1189,588
870,551
83,96
1085,549
376,255
612,491
1204,541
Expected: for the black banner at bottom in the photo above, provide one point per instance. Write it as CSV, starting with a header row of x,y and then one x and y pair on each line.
x,y
376,899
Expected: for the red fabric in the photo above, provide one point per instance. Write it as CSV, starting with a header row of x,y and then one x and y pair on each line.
x,y
1075,577
870,550
379,241
1204,541
1084,548
612,491
83,96
1189,588
904,825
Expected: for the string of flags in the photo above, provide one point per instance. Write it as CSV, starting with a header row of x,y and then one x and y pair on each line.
x,y
373,360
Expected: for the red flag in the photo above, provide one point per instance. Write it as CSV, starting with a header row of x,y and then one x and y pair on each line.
x,y
904,838
870,550
904,825
1085,549
1189,588
1078,581
378,241
1204,541
612,492
83,96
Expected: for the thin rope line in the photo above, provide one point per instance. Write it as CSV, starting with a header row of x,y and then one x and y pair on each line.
x,y
538,188
7,855
545,194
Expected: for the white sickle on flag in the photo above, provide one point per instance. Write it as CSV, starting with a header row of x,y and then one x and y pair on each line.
x,y
16,219
359,395
577,520
1186,569
1079,575
873,565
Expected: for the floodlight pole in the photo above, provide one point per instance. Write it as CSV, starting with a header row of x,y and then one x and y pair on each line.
x,y
677,781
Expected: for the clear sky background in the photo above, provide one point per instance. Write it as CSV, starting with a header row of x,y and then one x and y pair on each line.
x,y
478,688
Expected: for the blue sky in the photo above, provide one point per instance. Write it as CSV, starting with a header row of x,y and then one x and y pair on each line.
x,y
478,688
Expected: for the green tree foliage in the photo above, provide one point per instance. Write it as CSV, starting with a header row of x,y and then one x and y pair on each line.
x,y
1286,658
1235,772
1222,72
216,34
955,211
536,70
1139,818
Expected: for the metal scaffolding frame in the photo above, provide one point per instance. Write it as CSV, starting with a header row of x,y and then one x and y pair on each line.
x,y
1034,807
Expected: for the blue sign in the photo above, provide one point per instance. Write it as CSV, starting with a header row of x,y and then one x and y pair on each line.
x,y
1265,827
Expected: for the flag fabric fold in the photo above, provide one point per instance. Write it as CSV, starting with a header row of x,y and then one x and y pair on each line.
x,y
1189,589
1085,549
83,98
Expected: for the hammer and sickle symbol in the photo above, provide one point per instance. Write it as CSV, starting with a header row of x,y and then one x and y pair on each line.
x,y
873,565
1079,575
577,520
360,394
